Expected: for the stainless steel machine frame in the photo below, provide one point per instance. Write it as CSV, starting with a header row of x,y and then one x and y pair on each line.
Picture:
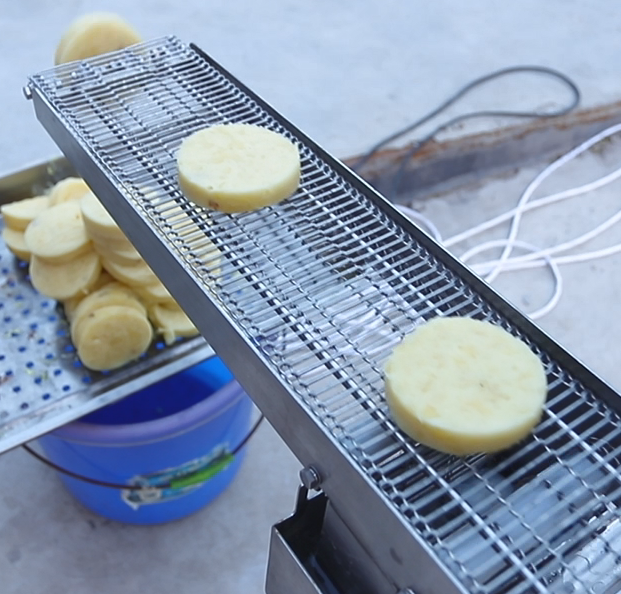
x,y
304,301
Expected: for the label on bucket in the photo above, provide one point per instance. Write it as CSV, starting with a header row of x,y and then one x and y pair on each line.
x,y
172,483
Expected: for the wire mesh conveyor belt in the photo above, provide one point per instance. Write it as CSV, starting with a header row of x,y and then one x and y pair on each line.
x,y
305,300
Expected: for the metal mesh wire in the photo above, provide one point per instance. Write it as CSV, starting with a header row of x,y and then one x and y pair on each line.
x,y
324,285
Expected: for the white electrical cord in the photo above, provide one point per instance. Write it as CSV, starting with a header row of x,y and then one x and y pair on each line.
x,y
491,223
530,190
546,261
561,247
537,256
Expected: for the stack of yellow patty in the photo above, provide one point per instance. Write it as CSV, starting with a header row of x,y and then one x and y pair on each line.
x,y
17,216
63,263
79,256
121,260
109,327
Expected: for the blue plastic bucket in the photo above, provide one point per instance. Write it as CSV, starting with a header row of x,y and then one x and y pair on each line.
x,y
167,432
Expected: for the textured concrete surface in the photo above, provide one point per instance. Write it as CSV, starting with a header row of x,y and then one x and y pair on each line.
x,y
346,73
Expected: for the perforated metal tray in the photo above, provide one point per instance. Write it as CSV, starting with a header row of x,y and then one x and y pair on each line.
x,y
306,303
43,385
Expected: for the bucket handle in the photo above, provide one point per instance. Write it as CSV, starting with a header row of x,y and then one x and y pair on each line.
x,y
200,476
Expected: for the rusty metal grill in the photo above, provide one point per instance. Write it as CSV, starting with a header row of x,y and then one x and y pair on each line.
x,y
318,290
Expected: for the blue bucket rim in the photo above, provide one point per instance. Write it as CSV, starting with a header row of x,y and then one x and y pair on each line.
x,y
148,431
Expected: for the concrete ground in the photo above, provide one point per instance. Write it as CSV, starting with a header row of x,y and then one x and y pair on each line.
x,y
346,73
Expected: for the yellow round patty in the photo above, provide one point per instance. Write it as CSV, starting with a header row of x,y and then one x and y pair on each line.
x,y
464,386
94,34
237,167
